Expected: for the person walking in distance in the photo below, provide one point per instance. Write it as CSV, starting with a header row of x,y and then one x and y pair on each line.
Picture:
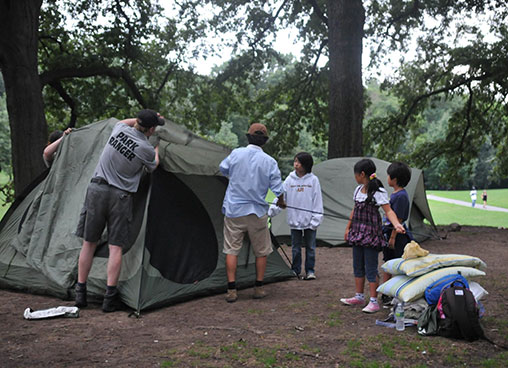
x,y
108,200
251,173
472,194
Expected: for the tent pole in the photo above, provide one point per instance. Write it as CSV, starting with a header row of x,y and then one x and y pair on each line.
x,y
276,243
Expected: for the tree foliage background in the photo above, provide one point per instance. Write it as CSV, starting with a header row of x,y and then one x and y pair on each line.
x,y
5,142
443,107
460,64
448,89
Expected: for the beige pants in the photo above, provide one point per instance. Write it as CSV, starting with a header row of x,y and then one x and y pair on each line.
x,y
256,227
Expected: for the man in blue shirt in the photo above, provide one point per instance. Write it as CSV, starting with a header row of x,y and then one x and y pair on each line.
x,y
251,173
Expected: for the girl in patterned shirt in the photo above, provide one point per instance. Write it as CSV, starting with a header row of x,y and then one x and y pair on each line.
x,y
364,232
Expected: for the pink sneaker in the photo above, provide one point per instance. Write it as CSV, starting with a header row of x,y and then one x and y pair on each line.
x,y
371,308
353,301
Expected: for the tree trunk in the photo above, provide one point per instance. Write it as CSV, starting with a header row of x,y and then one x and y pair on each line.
x,y
345,32
19,25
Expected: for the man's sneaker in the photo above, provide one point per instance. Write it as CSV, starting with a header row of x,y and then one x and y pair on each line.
x,y
80,296
259,292
353,301
231,296
371,308
310,276
111,302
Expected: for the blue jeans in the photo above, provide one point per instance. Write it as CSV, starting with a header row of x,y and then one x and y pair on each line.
x,y
473,202
365,262
297,239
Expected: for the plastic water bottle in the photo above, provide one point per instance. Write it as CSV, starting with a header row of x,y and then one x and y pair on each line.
x,y
399,316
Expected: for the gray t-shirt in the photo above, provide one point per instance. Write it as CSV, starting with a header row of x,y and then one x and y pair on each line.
x,y
124,157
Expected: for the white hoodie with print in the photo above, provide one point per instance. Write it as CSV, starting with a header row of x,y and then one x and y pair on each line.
x,y
303,193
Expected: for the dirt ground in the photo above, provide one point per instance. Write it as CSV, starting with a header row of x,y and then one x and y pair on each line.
x,y
299,324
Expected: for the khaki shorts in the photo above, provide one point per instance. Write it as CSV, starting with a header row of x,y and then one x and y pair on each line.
x,y
256,227
105,205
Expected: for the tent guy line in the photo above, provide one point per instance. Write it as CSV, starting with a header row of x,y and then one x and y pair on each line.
x,y
342,217
317,213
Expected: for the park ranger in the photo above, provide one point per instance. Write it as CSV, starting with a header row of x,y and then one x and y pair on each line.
x,y
108,201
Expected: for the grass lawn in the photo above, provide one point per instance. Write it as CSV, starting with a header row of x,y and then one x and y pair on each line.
x,y
3,209
495,197
446,213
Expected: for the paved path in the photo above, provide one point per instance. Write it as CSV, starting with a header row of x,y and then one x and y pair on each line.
x,y
478,206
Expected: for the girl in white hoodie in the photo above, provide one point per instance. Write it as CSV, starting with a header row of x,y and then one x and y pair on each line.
x,y
304,212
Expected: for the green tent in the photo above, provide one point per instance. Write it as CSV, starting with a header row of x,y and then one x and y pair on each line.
x,y
176,237
338,184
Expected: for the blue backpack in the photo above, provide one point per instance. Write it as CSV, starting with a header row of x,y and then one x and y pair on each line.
x,y
433,291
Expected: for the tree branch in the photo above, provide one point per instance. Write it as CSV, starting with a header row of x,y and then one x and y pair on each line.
x,y
165,79
57,85
309,78
45,48
419,98
55,40
92,71
314,67
128,41
468,125
318,11
224,77
307,83
454,86
272,21
410,11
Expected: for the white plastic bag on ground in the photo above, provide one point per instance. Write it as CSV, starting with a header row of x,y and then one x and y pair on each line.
x,y
70,312
478,291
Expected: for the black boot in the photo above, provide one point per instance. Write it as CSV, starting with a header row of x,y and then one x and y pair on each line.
x,y
111,302
80,291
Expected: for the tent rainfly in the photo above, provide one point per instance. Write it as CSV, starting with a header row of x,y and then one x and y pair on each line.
x,y
338,184
176,238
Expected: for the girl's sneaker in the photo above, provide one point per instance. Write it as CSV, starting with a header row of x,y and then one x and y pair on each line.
x,y
353,301
371,308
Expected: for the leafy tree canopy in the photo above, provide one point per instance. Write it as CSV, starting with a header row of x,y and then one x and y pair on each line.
x,y
445,58
111,58
225,136
455,63
288,95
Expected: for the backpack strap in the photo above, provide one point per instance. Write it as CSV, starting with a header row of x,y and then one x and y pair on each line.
x,y
457,282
